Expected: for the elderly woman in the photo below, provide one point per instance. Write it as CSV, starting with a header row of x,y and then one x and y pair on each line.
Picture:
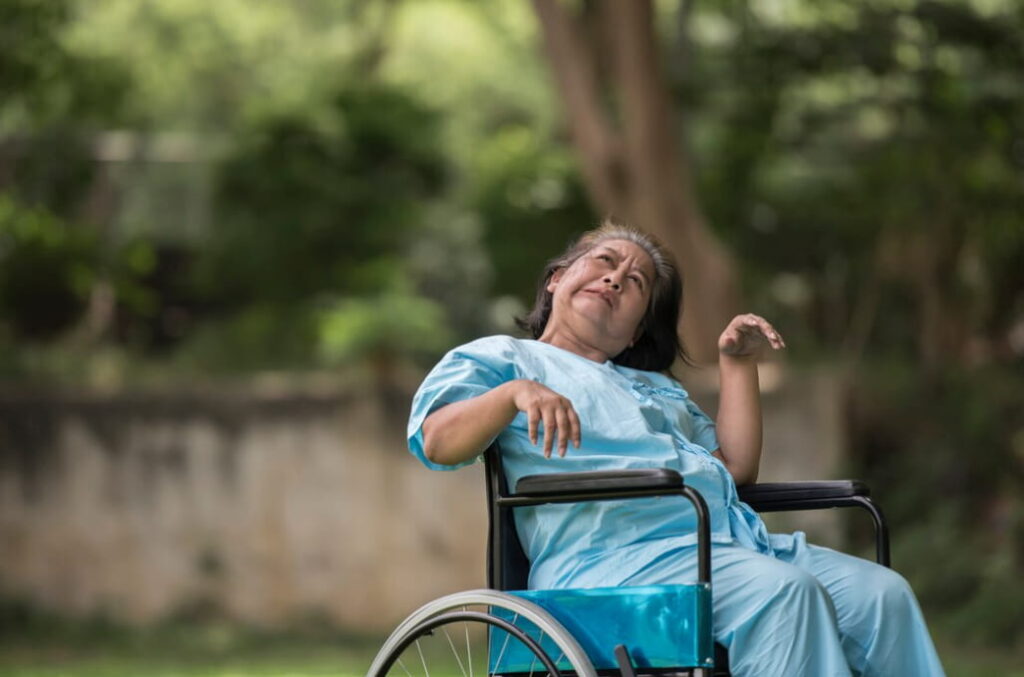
x,y
591,392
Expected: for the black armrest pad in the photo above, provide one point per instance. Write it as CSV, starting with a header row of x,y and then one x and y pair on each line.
x,y
598,480
786,492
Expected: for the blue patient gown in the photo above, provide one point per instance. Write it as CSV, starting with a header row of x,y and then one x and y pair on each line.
x,y
781,605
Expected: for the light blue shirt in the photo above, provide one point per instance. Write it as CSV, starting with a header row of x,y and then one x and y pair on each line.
x,y
629,419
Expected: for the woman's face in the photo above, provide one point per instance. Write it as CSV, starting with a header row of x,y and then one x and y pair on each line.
x,y
603,295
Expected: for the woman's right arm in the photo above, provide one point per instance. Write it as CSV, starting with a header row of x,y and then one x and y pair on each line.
x,y
462,430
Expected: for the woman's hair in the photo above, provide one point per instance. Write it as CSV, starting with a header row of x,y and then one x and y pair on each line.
x,y
658,344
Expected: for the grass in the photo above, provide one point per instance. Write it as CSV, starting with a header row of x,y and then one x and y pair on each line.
x,y
52,649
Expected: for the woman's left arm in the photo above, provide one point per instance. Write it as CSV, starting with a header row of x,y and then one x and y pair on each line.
x,y
739,407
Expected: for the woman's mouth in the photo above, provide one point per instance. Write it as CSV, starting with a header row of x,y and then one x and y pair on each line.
x,y
605,296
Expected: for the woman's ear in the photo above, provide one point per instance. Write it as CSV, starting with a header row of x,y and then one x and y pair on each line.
x,y
553,280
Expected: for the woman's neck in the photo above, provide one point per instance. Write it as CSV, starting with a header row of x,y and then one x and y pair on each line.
x,y
569,341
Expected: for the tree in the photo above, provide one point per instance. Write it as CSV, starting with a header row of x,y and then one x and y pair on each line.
x,y
56,263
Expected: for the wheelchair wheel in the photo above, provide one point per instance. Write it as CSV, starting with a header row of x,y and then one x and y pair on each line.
x,y
478,633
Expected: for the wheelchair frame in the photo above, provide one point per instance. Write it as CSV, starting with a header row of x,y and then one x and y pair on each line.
x,y
508,567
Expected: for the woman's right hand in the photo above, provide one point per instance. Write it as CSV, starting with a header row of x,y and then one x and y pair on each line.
x,y
543,405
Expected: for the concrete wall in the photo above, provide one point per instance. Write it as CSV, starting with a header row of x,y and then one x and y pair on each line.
x,y
269,508
264,508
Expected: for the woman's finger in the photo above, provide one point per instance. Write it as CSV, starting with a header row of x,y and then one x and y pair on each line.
x,y
773,336
574,427
752,332
746,332
532,418
761,328
563,431
549,431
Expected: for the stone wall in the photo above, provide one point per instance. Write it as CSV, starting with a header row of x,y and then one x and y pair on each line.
x,y
268,508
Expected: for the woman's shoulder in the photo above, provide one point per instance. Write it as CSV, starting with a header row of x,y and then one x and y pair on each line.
x,y
496,345
506,357
491,349
528,357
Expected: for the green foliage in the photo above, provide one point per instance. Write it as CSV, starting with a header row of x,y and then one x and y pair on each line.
x,y
46,270
204,66
517,178
256,337
42,83
945,456
51,101
522,186
325,190
49,268
314,205
54,169
322,200
861,145
383,327
28,40
864,161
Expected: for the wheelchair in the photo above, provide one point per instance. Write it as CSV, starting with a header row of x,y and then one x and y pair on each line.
x,y
657,631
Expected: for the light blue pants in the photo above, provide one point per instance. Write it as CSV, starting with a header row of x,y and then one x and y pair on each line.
x,y
808,611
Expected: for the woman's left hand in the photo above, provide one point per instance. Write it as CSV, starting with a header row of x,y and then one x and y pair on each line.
x,y
746,335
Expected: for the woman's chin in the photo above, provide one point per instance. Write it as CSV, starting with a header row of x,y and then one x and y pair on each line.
x,y
592,303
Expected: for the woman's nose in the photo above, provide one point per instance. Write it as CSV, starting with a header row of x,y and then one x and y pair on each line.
x,y
612,283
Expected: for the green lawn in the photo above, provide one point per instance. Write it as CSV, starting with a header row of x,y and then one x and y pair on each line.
x,y
208,650
319,662
221,651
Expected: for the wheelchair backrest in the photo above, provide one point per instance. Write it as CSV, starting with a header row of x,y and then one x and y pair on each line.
x,y
507,565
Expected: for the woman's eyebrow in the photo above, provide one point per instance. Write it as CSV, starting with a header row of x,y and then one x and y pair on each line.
x,y
617,256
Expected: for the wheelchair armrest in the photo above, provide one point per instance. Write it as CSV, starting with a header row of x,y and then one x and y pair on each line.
x,y
603,485
778,496
553,484
781,496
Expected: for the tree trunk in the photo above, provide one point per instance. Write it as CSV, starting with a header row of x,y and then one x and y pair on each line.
x,y
636,170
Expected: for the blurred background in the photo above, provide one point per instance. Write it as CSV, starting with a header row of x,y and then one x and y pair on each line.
x,y
234,235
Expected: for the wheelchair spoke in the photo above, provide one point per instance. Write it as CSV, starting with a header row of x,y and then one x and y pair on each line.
x,y
456,653
540,639
422,659
504,645
402,665
469,652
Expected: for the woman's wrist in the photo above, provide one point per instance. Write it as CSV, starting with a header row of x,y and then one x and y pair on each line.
x,y
509,392
727,361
